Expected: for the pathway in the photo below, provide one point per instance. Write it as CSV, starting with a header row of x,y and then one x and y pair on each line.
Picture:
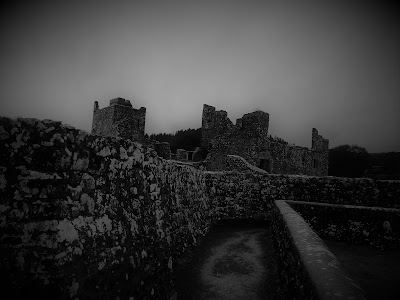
x,y
232,262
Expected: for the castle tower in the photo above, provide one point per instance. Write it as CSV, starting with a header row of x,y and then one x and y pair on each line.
x,y
255,124
119,119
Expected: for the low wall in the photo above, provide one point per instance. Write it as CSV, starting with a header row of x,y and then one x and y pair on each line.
x,y
308,269
91,217
374,226
243,195
238,163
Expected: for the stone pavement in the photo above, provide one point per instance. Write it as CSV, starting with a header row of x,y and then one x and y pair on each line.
x,y
232,262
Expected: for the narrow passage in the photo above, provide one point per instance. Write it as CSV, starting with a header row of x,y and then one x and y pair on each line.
x,y
232,262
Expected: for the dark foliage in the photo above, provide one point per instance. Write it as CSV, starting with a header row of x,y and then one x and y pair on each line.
x,y
187,139
348,161
277,139
384,166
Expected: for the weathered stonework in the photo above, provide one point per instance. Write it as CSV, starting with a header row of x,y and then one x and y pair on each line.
x,y
90,217
199,154
119,119
308,269
163,149
376,227
249,139
86,216
182,154
238,195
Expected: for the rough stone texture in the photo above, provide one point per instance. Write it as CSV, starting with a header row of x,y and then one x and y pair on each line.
x,y
119,120
249,139
320,146
374,226
181,154
89,217
214,123
239,164
243,195
199,154
163,149
308,269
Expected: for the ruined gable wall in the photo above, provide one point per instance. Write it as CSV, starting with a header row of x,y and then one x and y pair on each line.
x,y
214,123
84,216
320,147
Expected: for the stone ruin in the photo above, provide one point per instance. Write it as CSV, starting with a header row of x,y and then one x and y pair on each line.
x,y
91,217
119,119
248,138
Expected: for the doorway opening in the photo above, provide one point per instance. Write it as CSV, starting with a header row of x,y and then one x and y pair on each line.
x,y
265,164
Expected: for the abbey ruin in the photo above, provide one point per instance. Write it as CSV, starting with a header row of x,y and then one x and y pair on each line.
x,y
104,216
248,138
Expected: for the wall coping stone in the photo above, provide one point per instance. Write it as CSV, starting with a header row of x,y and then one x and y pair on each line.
x,y
395,210
322,266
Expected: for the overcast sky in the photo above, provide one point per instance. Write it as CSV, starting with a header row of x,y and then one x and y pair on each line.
x,y
330,65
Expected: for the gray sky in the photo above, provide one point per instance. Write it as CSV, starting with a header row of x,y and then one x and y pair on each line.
x,y
331,65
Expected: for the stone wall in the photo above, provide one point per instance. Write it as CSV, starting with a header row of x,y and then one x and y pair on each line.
x,y
91,217
239,164
182,154
373,226
119,119
249,139
163,149
84,216
243,195
307,268
214,123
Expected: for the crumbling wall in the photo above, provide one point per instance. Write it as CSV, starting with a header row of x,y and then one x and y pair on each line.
x,y
119,119
90,217
249,139
320,147
182,154
163,149
373,226
244,195
214,123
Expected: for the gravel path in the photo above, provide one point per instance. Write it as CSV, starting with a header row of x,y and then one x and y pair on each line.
x,y
233,262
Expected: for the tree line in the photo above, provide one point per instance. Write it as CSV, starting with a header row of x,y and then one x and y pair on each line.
x,y
344,160
355,161
187,139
